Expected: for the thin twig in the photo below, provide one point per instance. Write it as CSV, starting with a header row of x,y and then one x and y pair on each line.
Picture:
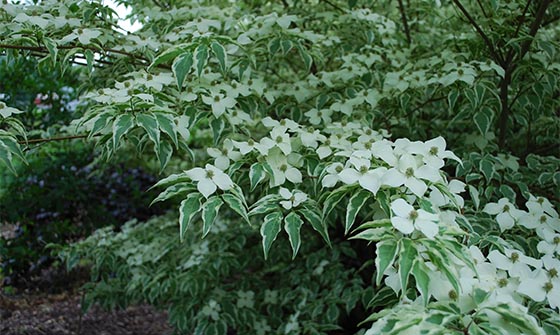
x,y
51,139
405,22
497,57
482,8
333,5
539,18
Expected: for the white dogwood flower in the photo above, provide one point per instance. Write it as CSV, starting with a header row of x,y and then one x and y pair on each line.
x,y
292,198
222,157
209,179
409,173
406,219
505,211
219,103
358,170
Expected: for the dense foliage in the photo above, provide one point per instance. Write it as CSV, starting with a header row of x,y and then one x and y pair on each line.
x,y
320,133
62,196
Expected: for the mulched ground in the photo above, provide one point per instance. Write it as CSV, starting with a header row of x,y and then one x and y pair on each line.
x,y
36,314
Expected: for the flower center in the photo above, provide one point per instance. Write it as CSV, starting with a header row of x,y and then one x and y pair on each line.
x,y
283,167
413,215
542,219
453,295
279,139
548,287
514,257
209,174
409,172
434,151
552,273
217,98
363,169
506,208
338,169
250,142
502,282
540,200
556,240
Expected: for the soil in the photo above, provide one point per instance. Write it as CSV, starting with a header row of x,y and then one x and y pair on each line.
x,y
60,314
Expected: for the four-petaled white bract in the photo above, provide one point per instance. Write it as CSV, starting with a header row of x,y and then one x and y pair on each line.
x,y
406,219
506,212
359,171
209,179
292,198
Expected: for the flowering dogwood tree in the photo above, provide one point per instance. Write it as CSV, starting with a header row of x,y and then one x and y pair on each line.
x,y
320,120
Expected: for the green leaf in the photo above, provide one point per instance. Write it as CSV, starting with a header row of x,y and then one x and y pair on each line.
x,y
52,47
173,191
307,60
265,204
256,175
164,151
274,46
517,318
407,256
166,56
385,256
236,205
122,124
220,53
356,202
334,199
218,126
487,167
100,123
201,54
187,211
292,227
89,59
149,122
286,46
168,126
475,196
442,263
13,146
421,274
181,67
483,120
210,210
508,192
6,157
171,179
316,222
269,230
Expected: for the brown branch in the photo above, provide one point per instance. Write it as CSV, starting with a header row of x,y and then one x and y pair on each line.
x,y
539,18
51,139
333,5
69,47
511,52
509,67
405,22
482,8
497,57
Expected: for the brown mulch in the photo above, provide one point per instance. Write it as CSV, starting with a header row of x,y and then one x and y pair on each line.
x,y
60,315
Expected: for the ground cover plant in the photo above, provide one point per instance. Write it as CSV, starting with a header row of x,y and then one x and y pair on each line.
x,y
338,167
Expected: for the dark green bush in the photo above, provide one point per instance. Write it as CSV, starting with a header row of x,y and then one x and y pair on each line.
x,y
59,198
